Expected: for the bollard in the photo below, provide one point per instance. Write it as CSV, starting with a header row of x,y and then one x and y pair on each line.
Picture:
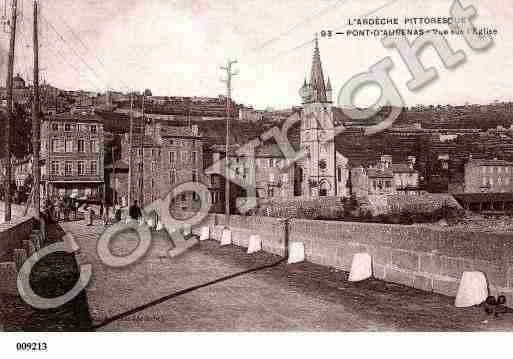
x,y
20,256
205,233
473,290
296,252
361,267
226,237
255,244
187,230
9,276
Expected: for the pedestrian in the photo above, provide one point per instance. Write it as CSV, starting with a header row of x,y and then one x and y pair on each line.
x,y
106,216
117,214
134,211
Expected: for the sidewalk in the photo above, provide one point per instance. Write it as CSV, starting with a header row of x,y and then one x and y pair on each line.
x,y
52,276
301,297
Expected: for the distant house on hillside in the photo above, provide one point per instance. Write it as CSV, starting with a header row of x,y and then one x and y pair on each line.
x,y
385,178
488,176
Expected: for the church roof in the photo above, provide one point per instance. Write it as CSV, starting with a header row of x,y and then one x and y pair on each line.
x,y
317,76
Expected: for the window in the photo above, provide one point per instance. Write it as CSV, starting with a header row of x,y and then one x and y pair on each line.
x,y
194,176
483,169
154,166
485,181
339,174
81,168
490,169
388,184
55,146
68,146
506,169
285,178
55,127
271,177
94,168
93,146
81,147
152,183
55,167
184,198
194,157
171,157
491,181
499,169
93,128
67,127
68,168
270,162
506,181
270,192
184,156
172,176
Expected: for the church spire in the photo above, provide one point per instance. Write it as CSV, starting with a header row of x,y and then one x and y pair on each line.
x,y
317,77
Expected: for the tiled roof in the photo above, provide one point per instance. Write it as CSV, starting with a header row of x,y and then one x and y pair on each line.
x,y
485,162
380,173
76,117
402,168
177,131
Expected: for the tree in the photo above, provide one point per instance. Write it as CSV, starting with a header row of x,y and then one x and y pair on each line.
x,y
147,93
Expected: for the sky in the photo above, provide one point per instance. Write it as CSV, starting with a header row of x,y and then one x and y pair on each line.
x,y
175,48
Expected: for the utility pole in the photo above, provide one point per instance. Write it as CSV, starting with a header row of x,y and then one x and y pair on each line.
x,y
228,80
113,177
130,160
141,168
36,127
10,70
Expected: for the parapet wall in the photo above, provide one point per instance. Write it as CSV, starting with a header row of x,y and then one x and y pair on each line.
x,y
422,257
13,234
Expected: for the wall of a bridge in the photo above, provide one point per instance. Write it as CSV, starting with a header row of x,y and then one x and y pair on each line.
x,y
13,234
422,257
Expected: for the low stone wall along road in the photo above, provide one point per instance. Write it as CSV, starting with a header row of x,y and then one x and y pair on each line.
x,y
282,297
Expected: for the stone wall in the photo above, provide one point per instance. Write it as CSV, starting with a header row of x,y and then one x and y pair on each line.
x,y
12,234
417,256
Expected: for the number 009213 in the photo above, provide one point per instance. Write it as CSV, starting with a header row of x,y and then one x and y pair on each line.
x,y
31,346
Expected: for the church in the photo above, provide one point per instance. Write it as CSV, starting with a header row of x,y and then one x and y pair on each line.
x,y
323,171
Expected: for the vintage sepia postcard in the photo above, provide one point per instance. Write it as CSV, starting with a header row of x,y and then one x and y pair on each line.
x,y
287,166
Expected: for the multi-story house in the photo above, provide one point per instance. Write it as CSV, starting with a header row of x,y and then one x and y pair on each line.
x,y
72,148
385,178
264,174
489,176
164,157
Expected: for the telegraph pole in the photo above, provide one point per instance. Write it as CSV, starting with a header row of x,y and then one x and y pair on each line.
x,y
130,161
10,70
141,168
228,80
36,128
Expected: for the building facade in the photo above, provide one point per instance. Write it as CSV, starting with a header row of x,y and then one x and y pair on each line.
x,y
72,148
164,157
385,178
488,176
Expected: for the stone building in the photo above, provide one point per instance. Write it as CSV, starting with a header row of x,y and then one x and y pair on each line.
x,y
265,174
72,148
164,157
489,176
385,178
324,171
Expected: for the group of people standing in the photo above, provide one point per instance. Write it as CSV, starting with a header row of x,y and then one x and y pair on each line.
x,y
67,208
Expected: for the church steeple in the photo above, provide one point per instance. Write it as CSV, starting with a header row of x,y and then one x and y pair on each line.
x,y
317,76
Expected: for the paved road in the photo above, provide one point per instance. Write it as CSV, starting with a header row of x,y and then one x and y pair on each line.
x,y
297,297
